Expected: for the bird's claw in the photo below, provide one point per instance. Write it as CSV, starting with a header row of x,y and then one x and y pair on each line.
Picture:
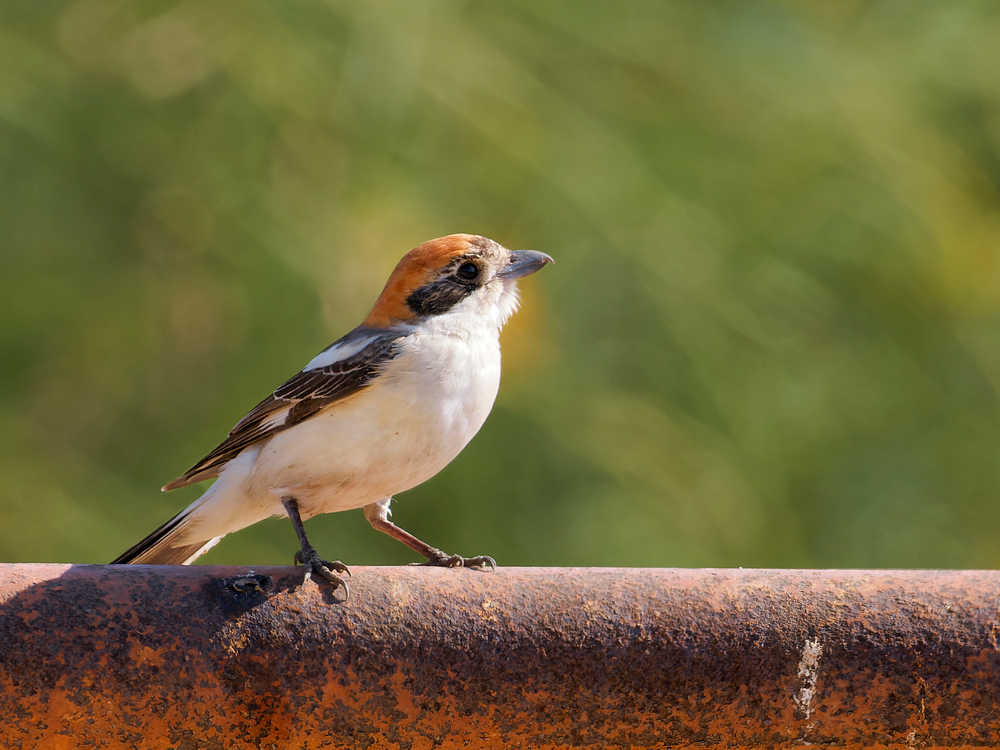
x,y
443,560
325,569
336,565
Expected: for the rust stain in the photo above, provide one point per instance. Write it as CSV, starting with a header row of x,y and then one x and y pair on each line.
x,y
179,658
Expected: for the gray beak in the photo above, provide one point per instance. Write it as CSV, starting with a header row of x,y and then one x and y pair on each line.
x,y
524,263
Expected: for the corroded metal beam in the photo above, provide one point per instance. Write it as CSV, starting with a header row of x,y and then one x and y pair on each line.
x,y
207,657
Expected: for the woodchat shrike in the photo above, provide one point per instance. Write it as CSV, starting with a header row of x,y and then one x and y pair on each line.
x,y
379,411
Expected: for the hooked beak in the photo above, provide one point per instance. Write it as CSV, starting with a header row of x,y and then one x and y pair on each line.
x,y
524,263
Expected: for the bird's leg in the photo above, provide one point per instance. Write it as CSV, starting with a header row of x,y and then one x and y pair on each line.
x,y
378,516
308,557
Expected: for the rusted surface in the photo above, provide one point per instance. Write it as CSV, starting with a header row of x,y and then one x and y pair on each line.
x,y
208,657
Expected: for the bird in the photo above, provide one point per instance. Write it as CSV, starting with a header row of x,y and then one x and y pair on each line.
x,y
380,411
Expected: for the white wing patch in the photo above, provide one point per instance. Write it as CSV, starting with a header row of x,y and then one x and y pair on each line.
x,y
337,352
277,419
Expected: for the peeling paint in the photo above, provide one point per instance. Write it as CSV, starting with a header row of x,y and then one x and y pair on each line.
x,y
809,674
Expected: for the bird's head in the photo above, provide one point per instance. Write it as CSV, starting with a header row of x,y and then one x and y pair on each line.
x,y
460,273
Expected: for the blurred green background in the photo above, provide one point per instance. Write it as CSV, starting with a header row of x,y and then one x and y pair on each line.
x,y
772,336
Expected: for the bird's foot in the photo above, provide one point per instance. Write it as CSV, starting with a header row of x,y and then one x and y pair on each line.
x,y
309,558
440,559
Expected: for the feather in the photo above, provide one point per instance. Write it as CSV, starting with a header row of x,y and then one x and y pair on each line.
x,y
301,397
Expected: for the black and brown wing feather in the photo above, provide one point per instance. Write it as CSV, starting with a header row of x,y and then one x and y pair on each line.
x,y
297,400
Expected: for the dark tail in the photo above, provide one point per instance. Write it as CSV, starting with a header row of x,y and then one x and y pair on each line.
x,y
156,549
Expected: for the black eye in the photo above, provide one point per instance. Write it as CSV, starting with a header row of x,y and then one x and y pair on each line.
x,y
467,271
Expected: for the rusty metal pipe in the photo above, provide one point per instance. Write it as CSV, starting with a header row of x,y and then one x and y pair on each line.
x,y
207,657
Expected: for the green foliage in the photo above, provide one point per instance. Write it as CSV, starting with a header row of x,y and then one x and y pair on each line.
x,y
772,336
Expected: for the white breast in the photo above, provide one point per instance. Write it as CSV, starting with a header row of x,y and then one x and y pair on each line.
x,y
396,433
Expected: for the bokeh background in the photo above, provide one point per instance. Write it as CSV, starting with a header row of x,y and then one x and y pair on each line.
x,y
772,336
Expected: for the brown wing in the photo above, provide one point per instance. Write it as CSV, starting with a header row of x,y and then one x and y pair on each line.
x,y
300,398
